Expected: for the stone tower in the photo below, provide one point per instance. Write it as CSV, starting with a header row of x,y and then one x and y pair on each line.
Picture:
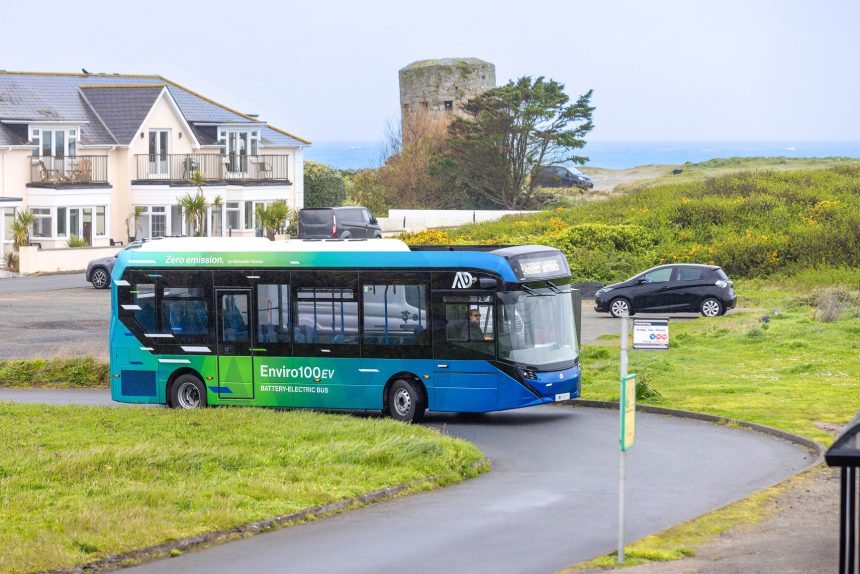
x,y
432,91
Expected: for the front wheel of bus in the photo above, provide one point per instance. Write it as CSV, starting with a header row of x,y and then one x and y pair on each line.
x,y
405,402
187,392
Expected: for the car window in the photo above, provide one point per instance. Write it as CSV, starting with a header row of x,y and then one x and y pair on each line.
x,y
366,215
659,275
689,274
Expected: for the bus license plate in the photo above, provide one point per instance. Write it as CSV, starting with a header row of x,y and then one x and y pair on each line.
x,y
562,397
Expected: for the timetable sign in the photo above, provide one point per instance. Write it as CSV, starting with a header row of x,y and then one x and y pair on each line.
x,y
651,333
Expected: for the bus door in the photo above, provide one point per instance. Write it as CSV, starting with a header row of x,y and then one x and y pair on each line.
x,y
464,332
235,344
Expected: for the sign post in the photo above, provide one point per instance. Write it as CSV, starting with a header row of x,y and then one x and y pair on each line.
x,y
624,405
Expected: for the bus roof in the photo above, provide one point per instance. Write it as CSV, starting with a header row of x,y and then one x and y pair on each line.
x,y
251,244
512,263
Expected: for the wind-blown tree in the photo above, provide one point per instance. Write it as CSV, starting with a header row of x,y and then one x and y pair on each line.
x,y
510,130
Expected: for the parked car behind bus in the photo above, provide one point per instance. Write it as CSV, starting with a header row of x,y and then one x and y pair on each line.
x,y
338,223
704,289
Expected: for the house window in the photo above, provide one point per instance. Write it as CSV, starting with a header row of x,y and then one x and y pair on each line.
x,y
249,215
152,221
61,221
215,224
51,142
41,222
100,220
449,105
232,215
176,220
8,222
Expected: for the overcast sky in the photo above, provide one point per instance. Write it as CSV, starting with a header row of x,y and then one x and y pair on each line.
x,y
686,70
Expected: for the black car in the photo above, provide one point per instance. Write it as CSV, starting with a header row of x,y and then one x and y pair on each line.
x,y
704,289
558,176
99,270
338,223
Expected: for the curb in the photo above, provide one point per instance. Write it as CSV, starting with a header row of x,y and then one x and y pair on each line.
x,y
166,550
816,448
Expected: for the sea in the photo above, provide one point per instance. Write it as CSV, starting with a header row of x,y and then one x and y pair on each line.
x,y
612,155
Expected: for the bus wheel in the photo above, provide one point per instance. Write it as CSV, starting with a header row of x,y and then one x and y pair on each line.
x,y
405,402
187,392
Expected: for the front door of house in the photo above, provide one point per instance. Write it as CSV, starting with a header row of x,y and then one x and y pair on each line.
x,y
158,153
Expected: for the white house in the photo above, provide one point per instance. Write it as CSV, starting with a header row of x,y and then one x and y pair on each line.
x,y
86,152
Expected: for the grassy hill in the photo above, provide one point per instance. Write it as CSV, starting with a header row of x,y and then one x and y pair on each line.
x,y
754,223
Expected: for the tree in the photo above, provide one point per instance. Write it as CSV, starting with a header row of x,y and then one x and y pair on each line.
x,y
195,206
510,130
274,218
21,229
324,186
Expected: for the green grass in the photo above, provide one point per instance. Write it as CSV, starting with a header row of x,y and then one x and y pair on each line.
x,y
79,483
71,373
793,373
699,172
788,373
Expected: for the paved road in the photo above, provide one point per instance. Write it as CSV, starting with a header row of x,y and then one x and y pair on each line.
x,y
550,500
63,315
30,284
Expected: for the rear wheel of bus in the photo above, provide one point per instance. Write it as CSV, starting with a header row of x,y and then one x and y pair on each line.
x,y
187,392
405,401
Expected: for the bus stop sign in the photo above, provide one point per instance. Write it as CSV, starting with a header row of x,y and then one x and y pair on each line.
x,y
651,334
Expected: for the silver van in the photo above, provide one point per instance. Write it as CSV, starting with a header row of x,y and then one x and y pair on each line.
x,y
338,223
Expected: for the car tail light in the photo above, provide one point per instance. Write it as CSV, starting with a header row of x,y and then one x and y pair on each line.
x,y
333,225
721,284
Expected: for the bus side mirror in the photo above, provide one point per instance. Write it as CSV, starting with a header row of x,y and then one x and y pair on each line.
x,y
487,282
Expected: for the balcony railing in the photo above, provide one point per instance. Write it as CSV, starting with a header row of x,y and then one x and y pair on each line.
x,y
69,170
181,167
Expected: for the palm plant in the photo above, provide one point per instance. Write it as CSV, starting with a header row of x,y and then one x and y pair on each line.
x,y
21,229
273,219
195,207
134,215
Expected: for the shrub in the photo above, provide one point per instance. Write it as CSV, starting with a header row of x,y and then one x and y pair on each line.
x,y
830,303
324,186
75,241
365,188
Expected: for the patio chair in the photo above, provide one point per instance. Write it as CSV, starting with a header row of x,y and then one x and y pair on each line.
x,y
83,171
48,175
190,165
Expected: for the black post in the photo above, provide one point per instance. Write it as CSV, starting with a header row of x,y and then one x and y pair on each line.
x,y
848,526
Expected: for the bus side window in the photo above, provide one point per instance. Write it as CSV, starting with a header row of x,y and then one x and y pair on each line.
x,y
273,314
145,299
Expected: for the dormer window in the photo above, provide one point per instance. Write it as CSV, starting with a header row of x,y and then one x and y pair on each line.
x,y
237,144
54,141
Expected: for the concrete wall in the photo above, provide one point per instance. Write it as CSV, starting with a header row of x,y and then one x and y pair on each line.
x,y
420,219
35,260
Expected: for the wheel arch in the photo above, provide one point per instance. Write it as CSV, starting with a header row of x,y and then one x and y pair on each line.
x,y
411,377
175,375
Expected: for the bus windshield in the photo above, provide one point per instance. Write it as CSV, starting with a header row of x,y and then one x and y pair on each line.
x,y
537,329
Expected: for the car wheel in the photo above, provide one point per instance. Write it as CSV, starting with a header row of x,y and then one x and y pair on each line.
x,y
711,307
187,392
100,278
405,402
346,235
619,307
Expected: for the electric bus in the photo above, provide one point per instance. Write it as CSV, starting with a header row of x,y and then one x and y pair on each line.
x,y
348,324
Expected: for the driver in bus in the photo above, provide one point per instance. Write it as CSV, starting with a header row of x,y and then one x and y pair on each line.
x,y
476,333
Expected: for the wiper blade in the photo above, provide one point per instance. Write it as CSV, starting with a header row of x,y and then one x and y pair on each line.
x,y
552,286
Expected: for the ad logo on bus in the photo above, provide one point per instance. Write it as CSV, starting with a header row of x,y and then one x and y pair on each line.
x,y
462,280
